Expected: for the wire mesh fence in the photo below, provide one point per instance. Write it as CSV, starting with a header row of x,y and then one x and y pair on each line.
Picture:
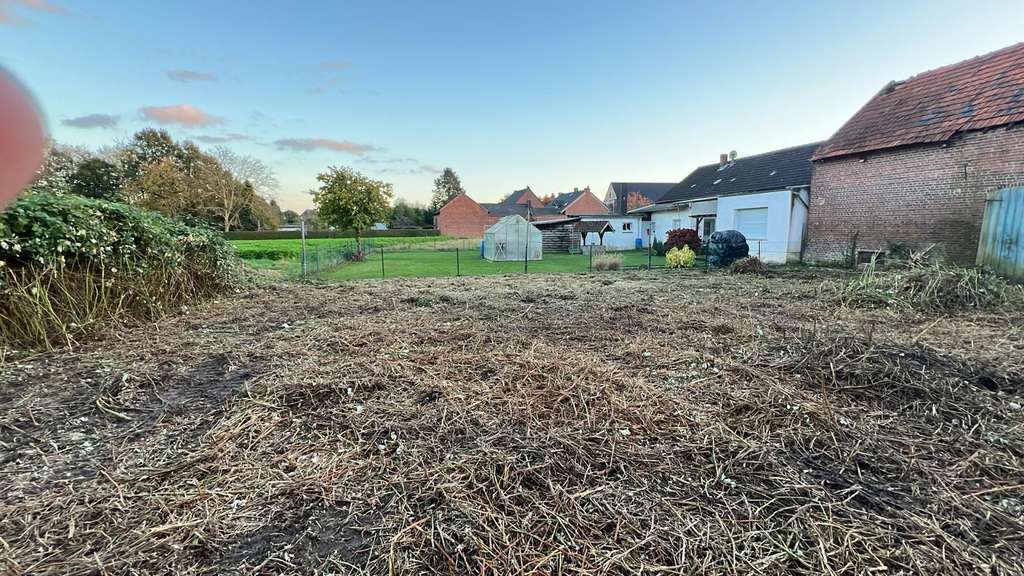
x,y
464,257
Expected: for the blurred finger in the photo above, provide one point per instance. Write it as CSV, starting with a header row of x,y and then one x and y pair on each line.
x,y
22,140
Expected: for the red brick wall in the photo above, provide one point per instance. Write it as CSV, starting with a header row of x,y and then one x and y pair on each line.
x,y
462,217
917,195
587,203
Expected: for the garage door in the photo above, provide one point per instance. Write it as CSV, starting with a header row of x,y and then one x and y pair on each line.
x,y
753,223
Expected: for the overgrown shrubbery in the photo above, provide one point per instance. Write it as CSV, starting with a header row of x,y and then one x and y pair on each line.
x,y
930,287
68,263
680,257
683,237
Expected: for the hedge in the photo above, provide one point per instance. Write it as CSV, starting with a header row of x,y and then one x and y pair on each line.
x,y
294,234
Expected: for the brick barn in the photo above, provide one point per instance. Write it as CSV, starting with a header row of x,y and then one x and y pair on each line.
x,y
464,217
914,166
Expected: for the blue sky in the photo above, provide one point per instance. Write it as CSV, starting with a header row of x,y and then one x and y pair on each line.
x,y
549,94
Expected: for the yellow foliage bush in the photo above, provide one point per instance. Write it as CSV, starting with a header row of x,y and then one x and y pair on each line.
x,y
680,257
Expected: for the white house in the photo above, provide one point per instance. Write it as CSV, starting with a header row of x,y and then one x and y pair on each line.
x,y
629,231
764,196
626,231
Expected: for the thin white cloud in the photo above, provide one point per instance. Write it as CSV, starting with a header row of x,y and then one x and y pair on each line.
x,y
92,121
222,138
311,144
8,15
183,75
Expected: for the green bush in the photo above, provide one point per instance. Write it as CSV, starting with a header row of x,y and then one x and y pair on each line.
x,y
659,247
680,257
68,263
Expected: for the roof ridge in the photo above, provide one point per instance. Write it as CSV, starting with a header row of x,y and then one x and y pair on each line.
x,y
758,155
966,61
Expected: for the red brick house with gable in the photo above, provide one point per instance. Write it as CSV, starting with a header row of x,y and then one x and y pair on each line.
x,y
915,164
466,218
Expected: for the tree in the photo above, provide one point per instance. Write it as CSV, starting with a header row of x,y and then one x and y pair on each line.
x,y
58,168
446,187
161,187
247,169
96,178
408,215
350,201
290,217
547,199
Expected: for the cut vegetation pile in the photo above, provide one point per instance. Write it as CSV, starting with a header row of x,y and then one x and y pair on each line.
x,y
641,423
930,287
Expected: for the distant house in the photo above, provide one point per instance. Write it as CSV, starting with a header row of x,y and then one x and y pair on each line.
x,y
914,165
464,217
764,196
631,231
622,197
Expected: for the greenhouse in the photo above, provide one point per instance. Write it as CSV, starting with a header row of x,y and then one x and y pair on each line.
x,y
512,238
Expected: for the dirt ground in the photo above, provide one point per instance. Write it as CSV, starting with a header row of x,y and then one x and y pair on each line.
x,y
617,423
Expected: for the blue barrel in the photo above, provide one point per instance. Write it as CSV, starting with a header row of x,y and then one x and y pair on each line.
x,y
481,249
639,243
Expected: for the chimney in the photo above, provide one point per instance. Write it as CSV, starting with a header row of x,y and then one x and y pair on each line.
x,y
723,159
574,189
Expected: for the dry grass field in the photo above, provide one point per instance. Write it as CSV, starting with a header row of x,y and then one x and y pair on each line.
x,y
616,423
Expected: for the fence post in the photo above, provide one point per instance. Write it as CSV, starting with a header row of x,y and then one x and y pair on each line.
x,y
758,249
458,270
648,253
302,266
590,264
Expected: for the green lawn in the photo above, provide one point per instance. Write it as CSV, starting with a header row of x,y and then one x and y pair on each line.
x,y
292,247
442,263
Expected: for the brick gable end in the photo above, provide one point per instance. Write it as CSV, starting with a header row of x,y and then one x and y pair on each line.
x,y
915,196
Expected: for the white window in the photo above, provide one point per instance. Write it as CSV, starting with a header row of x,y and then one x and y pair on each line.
x,y
627,226
753,223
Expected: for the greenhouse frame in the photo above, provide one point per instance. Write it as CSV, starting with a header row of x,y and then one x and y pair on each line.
x,y
513,238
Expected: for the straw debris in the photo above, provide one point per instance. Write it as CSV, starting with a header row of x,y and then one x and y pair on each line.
x,y
630,423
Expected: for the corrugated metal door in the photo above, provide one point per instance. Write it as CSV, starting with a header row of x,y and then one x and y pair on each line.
x,y
1001,248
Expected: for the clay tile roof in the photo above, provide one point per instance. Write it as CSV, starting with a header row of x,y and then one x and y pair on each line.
x,y
983,92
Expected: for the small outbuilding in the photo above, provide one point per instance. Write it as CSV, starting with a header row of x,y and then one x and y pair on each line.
x,y
592,232
513,238
560,235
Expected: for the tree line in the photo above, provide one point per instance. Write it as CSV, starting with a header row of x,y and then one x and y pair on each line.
x,y
219,187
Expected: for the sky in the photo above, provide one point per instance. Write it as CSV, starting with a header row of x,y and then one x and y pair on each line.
x,y
548,94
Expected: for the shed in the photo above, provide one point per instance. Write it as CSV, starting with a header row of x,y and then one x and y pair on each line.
x,y
513,238
560,235
598,227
